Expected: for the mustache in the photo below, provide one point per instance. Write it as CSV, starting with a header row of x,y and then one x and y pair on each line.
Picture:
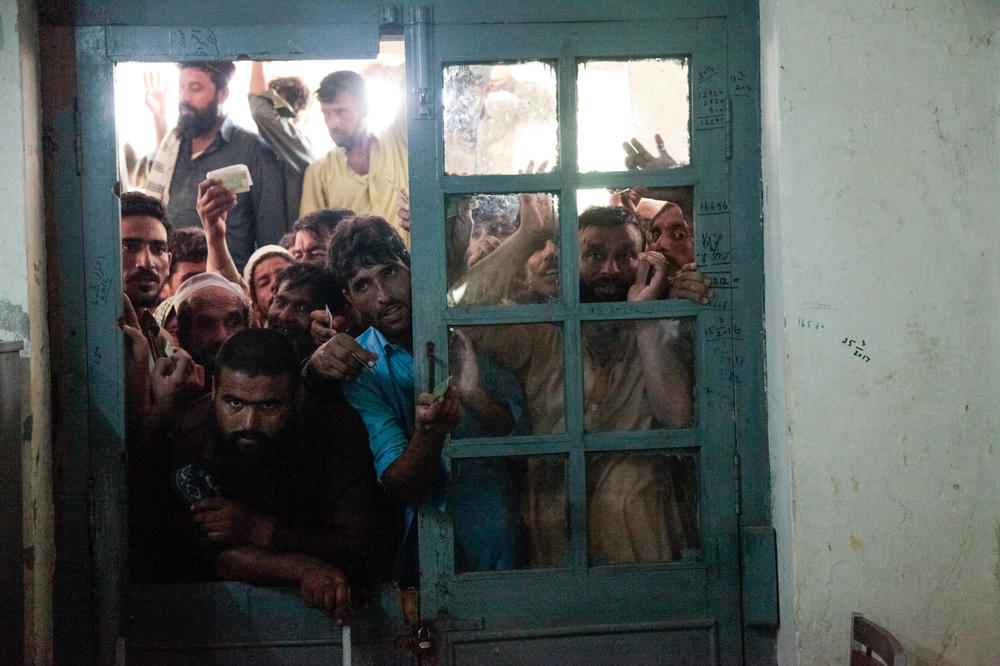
x,y
384,310
143,274
184,106
255,436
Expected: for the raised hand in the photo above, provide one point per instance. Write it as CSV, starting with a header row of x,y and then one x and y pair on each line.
x,y
214,203
638,158
536,213
173,381
156,93
403,207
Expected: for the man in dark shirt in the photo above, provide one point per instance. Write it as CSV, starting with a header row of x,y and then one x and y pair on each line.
x,y
206,139
278,484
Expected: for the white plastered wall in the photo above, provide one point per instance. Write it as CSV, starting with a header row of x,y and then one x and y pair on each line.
x,y
882,224
23,305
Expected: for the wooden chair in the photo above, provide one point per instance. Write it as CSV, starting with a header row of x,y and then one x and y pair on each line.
x,y
878,645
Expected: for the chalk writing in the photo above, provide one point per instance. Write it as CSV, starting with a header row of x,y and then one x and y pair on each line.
x,y
816,305
809,323
722,330
859,350
740,84
711,207
100,282
711,109
710,241
713,258
707,73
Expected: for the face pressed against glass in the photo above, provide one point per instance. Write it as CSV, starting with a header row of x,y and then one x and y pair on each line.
x,y
491,260
640,99
609,257
499,118
663,216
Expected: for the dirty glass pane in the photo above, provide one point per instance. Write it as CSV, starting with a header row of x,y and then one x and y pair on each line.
x,y
664,231
637,374
509,378
509,513
622,100
491,259
642,506
499,118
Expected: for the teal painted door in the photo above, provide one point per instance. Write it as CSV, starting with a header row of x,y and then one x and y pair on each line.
x,y
600,522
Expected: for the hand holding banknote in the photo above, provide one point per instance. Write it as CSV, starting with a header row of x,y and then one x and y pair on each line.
x,y
214,202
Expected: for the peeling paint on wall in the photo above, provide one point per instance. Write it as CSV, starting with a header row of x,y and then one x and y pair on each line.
x,y
13,318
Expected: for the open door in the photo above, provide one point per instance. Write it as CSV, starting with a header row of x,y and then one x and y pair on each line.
x,y
605,521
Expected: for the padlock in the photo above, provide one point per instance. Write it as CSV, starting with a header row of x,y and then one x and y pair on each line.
x,y
424,640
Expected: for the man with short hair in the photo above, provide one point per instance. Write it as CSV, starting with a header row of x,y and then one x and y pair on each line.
x,y
363,173
210,309
370,261
313,231
145,235
300,290
278,483
206,139
188,257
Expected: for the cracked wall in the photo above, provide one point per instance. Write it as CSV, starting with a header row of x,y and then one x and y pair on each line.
x,y
882,190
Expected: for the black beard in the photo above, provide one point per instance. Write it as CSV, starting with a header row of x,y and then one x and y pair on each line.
x,y
228,455
199,122
589,295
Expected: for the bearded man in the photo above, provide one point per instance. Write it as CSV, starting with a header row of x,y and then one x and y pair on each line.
x,y
276,483
206,139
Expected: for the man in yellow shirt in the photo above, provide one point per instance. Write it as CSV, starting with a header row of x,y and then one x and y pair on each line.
x,y
364,172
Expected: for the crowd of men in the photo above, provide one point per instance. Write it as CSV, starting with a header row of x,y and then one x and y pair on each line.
x,y
276,435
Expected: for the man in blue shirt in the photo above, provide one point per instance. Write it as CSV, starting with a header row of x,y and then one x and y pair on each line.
x,y
370,261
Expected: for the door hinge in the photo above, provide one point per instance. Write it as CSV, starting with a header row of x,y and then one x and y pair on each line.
x,y
737,490
77,138
417,33
729,128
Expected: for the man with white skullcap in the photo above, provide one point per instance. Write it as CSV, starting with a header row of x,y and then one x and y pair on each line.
x,y
210,309
261,274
